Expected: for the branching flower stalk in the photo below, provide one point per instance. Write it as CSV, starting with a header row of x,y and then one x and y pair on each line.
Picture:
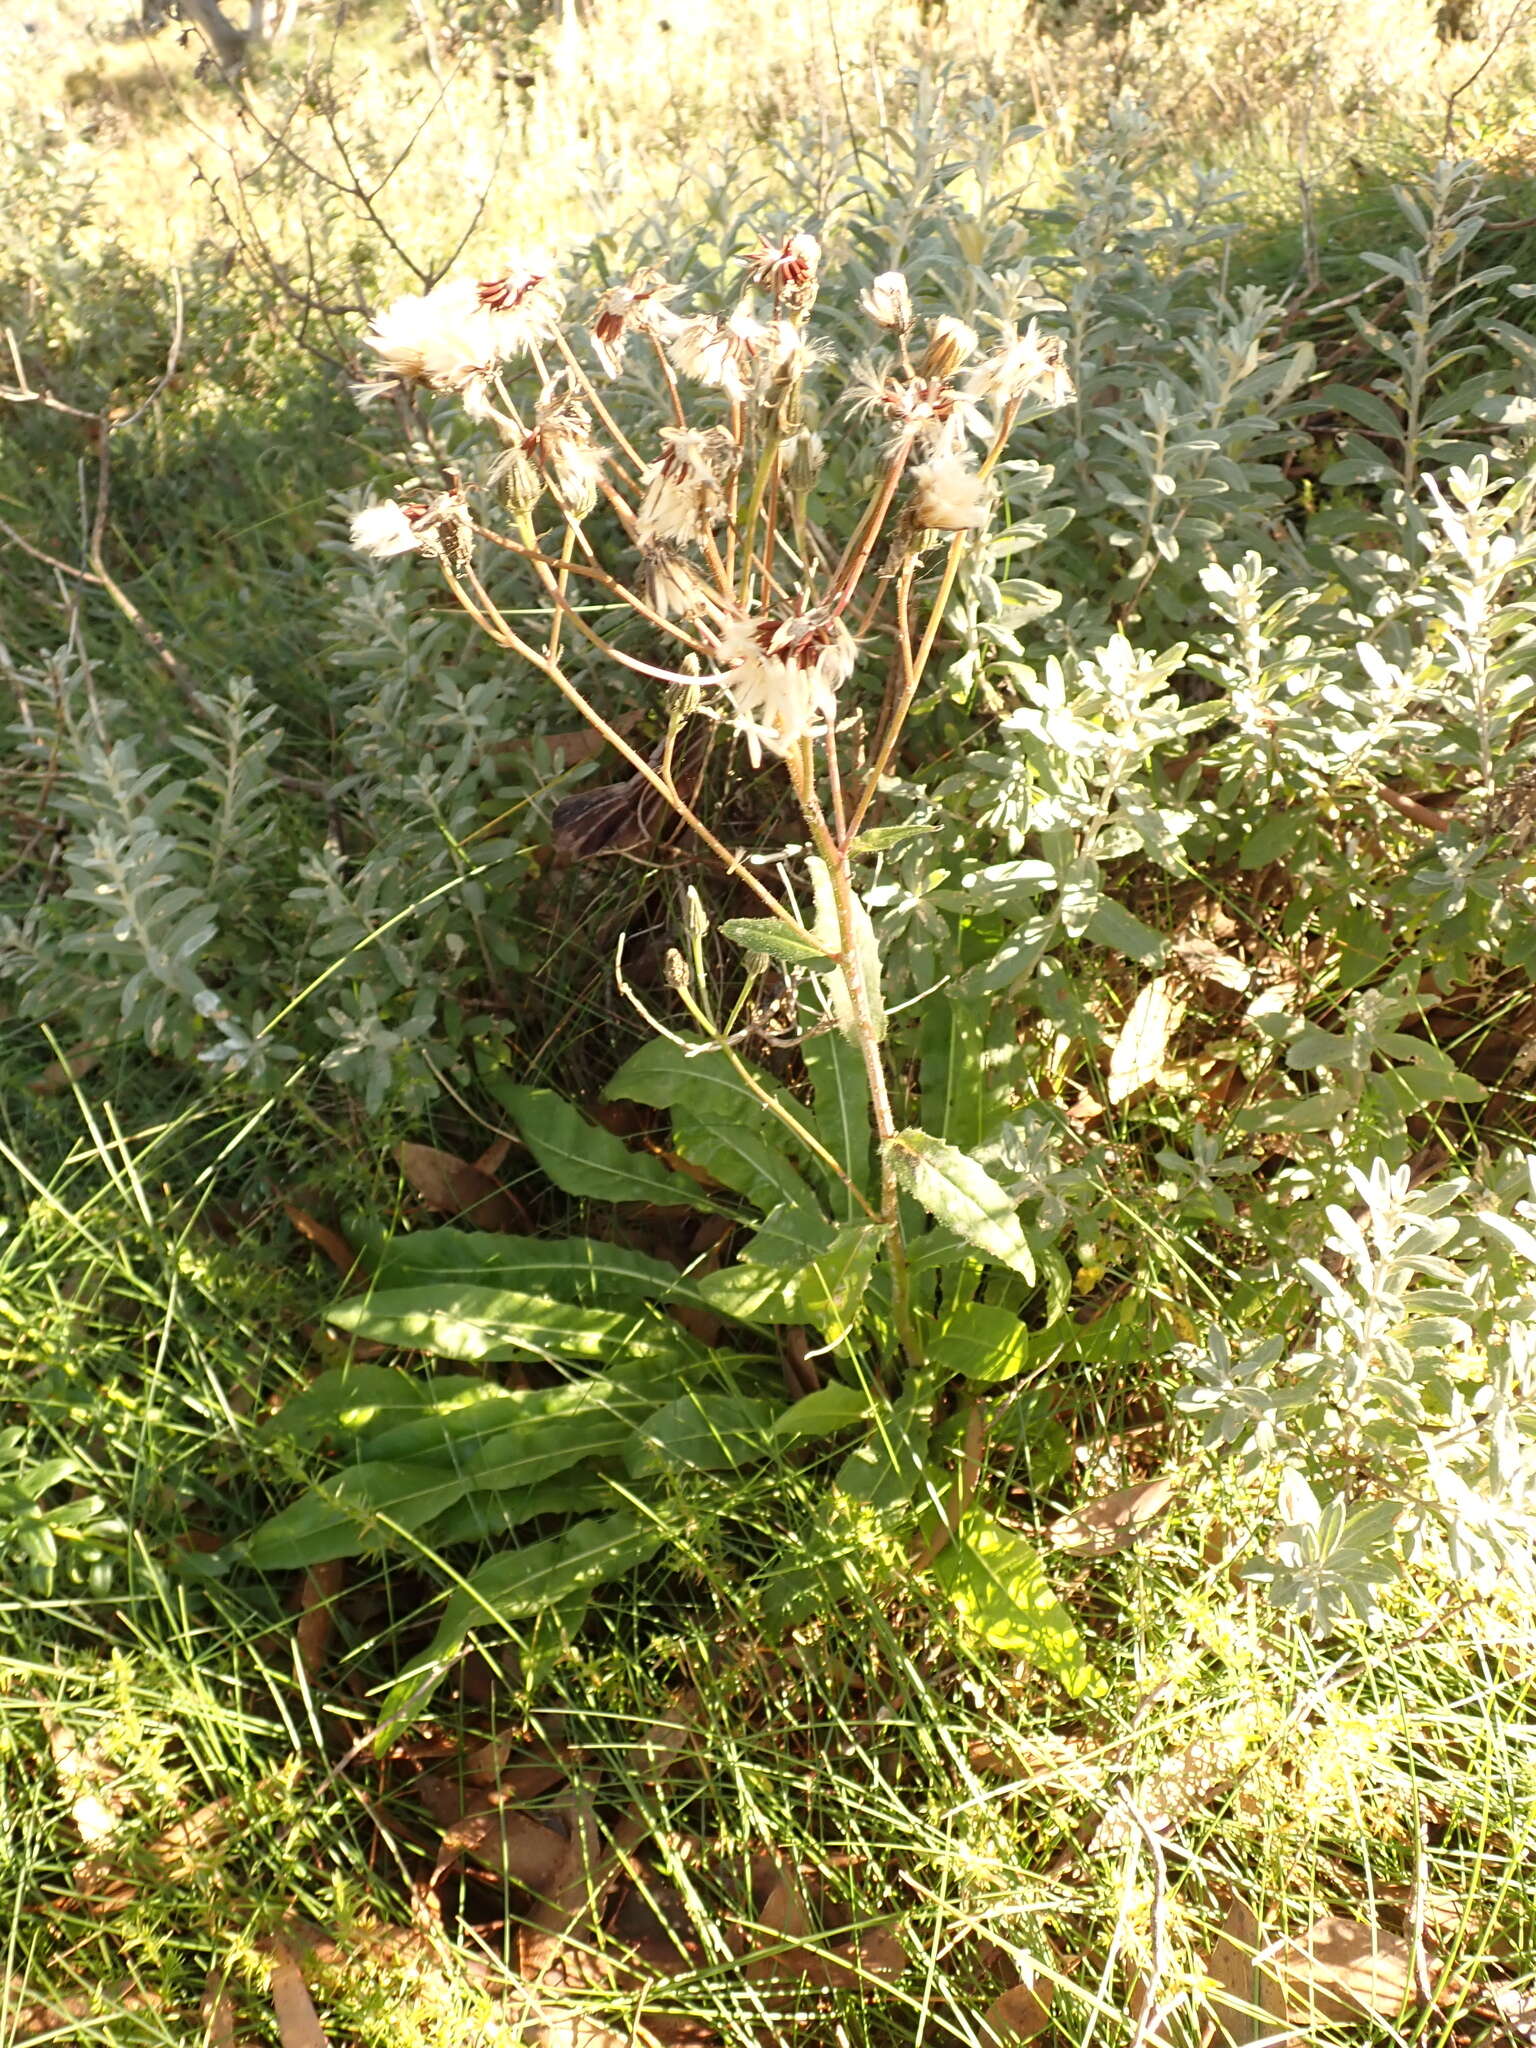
x,y
709,549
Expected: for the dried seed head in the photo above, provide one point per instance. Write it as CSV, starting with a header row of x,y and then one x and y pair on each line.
x,y
637,307
383,530
949,496
788,269
950,341
522,301
928,412
670,584
439,527
1027,364
443,339
800,461
888,302
685,486
720,352
784,676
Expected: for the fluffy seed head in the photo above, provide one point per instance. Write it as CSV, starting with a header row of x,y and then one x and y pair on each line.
x,y
685,486
888,302
562,444
788,269
950,341
784,676
522,300
800,460
639,307
1027,364
670,584
443,338
949,496
439,526
720,352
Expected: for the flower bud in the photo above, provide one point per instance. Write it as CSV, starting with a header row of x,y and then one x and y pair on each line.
x,y
800,461
950,341
517,478
887,302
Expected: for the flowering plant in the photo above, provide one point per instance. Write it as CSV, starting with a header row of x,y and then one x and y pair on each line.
x,y
759,621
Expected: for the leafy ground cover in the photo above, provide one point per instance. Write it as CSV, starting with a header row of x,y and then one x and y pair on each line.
x,y
519,1524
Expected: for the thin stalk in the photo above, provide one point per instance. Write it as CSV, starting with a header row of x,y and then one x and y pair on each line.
x,y
673,393
562,579
598,575
846,578
754,507
589,392
836,860
568,610
908,690
503,635
731,498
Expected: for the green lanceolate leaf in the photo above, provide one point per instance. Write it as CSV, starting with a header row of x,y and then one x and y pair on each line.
x,y
963,1196
341,1518
883,838
538,1575
351,1401
951,1075
884,1472
824,1413
491,1323
839,1114
1001,1593
981,1342
479,1516
741,1159
829,1291
786,942
1112,925
702,1080
703,1433
580,1269
583,1159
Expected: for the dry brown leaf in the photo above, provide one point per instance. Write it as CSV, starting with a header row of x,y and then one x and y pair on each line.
x,y
1115,1520
217,2013
1340,1969
1141,1051
1021,2013
28,2017
1207,962
494,1157
521,1849
319,1589
61,1074
1515,2005
569,749
298,2024
1246,2005
1040,1758
321,1235
1181,1785
83,1779
453,1187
